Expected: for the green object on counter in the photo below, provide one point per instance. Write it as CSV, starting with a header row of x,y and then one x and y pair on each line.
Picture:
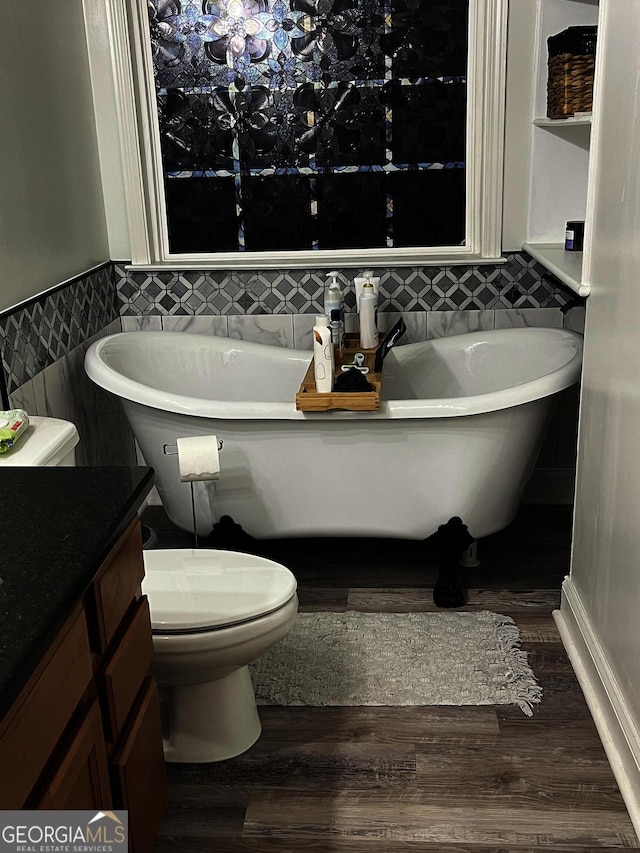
x,y
12,424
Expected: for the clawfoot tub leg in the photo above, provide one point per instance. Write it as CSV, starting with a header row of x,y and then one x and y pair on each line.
x,y
450,541
229,536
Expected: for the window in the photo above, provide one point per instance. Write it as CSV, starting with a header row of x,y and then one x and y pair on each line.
x,y
319,131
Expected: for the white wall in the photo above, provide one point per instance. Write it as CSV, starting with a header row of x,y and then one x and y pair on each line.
x,y
602,596
52,222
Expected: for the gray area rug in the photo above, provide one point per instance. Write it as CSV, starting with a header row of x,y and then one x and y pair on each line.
x,y
358,658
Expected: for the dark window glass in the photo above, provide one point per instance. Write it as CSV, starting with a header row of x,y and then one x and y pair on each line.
x,y
277,213
201,215
427,38
429,122
348,126
297,124
195,131
428,207
352,211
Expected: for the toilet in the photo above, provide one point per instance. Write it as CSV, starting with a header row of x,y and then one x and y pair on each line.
x,y
47,442
212,613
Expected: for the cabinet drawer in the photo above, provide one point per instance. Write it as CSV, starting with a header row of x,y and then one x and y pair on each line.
x,y
117,585
81,778
127,667
42,716
139,760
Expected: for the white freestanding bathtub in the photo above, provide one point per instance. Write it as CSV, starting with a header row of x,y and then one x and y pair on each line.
x,y
460,426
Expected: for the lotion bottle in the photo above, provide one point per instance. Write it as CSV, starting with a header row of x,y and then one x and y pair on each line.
x,y
323,359
334,309
368,330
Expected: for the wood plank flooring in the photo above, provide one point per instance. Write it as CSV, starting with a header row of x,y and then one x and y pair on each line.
x,y
397,780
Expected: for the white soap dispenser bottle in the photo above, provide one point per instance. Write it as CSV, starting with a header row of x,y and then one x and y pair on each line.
x,y
333,294
323,359
368,329
360,281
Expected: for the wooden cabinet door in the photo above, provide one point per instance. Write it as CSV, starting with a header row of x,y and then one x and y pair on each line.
x,y
81,779
139,772
116,586
34,725
123,673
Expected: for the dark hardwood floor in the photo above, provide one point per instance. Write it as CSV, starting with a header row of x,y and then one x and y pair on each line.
x,y
399,779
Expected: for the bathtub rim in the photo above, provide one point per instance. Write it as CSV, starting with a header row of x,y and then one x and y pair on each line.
x,y
551,383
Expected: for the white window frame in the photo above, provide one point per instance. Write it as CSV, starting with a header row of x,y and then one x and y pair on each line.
x,y
142,161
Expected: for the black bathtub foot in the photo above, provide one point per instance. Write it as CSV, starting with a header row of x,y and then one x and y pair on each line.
x,y
229,536
449,541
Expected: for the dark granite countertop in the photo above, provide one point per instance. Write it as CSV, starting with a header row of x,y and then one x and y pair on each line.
x,y
57,526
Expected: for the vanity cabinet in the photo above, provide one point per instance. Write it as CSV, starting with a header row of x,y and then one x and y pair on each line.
x,y
79,778
47,714
122,644
84,731
560,186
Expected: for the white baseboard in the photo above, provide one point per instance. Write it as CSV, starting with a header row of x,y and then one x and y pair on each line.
x,y
618,730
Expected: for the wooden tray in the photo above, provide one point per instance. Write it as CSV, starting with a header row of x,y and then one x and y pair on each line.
x,y
309,400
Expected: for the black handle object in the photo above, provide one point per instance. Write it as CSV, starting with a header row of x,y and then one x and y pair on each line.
x,y
352,380
392,338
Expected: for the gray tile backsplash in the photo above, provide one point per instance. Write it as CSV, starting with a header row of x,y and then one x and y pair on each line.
x,y
519,283
440,324
518,317
272,329
39,333
63,390
43,344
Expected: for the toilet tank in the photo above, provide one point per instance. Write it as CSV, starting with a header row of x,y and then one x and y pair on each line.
x,y
47,442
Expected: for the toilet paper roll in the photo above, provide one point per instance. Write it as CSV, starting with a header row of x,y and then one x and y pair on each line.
x,y
198,458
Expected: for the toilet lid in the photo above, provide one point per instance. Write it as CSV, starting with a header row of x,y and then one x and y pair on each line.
x,y
196,589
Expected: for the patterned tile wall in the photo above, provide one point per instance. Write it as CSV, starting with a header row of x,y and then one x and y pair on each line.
x,y
43,343
36,335
520,283
63,390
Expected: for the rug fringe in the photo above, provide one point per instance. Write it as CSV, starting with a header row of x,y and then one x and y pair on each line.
x,y
527,691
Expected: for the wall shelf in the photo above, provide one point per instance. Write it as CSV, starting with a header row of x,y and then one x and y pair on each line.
x,y
559,123
559,189
565,266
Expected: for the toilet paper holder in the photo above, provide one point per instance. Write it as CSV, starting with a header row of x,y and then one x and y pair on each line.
x,y
172,450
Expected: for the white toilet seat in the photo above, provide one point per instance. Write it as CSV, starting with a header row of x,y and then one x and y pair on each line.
x,y
197,590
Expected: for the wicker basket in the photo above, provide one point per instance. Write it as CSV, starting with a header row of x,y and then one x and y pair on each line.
x,y
571,68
